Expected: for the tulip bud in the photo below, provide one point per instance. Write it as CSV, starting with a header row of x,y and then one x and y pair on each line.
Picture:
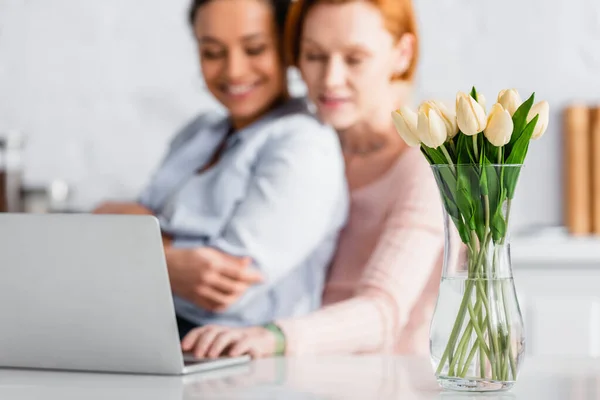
x,y
470,115
481,100
510,100
499,126
543,110
431,128
405,121
448,116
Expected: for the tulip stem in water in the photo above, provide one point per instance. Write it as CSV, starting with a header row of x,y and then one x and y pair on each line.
x,y
450,163
484,347
508,204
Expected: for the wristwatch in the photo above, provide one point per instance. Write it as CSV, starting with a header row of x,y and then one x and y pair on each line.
x,y
279,338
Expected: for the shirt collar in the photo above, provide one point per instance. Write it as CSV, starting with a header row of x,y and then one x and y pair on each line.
x,y
290,106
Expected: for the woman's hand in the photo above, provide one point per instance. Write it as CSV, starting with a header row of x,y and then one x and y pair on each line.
x,y
213,341
112,207
167,240
208,277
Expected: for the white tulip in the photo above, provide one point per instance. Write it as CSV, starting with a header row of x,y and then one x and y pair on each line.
x,y
405,121
448,116
499,126
481,100
470,115
543,110
431,128
510,100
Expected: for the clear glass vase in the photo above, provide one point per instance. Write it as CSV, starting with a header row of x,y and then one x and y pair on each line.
x,y
477,338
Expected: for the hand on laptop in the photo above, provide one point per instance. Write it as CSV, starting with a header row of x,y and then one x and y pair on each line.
x,y
213,341
112,207
208,277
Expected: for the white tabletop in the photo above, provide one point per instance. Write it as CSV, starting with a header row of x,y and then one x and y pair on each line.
x,y
365,378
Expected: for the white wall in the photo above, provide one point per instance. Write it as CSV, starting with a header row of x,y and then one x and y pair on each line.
x,y
100,86
551,47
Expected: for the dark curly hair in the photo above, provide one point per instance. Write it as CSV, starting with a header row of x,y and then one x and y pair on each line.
x,y
280,10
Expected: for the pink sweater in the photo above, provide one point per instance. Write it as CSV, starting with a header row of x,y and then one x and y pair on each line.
x,y
383,282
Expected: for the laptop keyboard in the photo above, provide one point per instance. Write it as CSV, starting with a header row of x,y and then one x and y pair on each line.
x,y
187,363
189,359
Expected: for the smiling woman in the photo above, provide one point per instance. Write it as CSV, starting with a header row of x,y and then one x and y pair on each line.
x,y
349,43
358,58
251,203
240,54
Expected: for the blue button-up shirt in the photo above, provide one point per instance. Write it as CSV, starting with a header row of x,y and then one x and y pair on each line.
x,y
278,195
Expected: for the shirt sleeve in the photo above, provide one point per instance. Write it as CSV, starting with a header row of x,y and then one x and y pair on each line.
x,y
294,200
404,259
183,136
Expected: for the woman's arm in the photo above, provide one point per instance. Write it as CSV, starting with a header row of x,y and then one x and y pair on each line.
x,y
294,199
128,208
404,260
218,279
208,277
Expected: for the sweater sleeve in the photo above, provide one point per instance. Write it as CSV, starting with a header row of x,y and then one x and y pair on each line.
x,y
404,258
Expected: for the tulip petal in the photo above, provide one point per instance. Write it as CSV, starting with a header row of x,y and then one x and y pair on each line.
x,y
470,115
405,121
449,118
510,100
499,127
481,100
437,128
479,112
431,127
423,128
543,110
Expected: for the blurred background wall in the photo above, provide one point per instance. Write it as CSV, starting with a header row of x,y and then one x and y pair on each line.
x,y
99,87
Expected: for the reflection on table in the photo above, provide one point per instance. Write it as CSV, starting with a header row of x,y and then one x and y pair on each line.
x,y
371,377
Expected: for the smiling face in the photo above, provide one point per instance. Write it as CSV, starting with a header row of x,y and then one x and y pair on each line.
x,y
347,59
240,59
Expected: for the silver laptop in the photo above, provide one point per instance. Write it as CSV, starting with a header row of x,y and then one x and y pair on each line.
x,y
89,293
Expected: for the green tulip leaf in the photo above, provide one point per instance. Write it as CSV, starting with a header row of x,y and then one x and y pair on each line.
x,y
464,201
463,231
492,152
494,187
519,150
474,94
483,183
519,123
498,226
517,156
427,157
435,155
464,149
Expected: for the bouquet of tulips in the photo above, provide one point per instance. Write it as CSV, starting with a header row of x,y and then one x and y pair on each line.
x,y
476,158
470,137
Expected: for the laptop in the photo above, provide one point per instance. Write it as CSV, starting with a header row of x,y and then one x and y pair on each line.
x,y
89,293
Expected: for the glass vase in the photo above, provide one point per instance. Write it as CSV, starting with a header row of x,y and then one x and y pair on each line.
x,y
477,337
